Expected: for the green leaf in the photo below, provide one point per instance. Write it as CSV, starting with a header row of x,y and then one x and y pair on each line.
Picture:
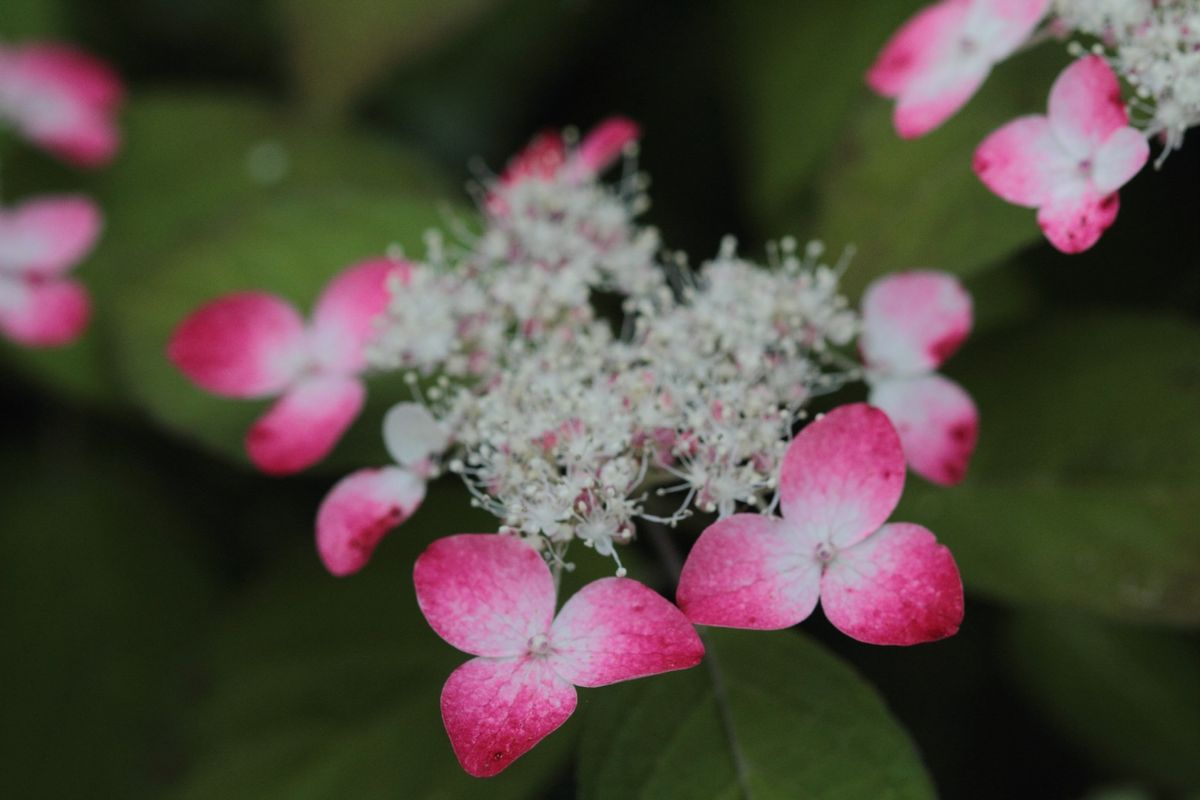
x,y
794,92
25,19
1082,492
103,590
765,716
292,248
337,49
324,687
1128,696
189,161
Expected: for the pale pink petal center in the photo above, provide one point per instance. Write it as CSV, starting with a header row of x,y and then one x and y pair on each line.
x,y
843,475
897,587
750,571
616,629
48,236
345,317
486,594
913,321
1086,107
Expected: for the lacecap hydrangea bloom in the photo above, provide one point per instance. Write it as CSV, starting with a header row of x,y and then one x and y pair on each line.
x,y
586,386
1070,162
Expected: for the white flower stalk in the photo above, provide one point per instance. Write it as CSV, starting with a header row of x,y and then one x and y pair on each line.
x,y
1155,46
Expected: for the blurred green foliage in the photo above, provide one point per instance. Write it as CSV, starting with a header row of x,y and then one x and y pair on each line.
x,y
170,631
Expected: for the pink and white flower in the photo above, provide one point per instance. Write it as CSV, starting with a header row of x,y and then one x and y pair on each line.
x,y
879,583
366,505
911,323
62,100
256,345
493,596
41,240
1069,163
942,55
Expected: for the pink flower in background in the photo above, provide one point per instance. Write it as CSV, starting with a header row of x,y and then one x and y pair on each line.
x,y
365,505
61,99
40,242
912,322
254,345
493,596
1070,163
940,57
547,157
841,478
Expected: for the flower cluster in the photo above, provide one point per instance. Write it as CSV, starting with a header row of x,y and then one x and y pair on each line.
x,y
582,383
1069,163
65,102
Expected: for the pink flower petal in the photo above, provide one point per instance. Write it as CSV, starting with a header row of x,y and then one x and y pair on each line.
x,y
43,313
412,435
1086,106
48,236
304,424
913,321
917,47
495,711
63,100
359,511
345,314
937,422
542,158
615,629
602,146
242,345
1075,222
842,475
898,586
1024,162
936,97
1001,26
486,594
1120,158
749,571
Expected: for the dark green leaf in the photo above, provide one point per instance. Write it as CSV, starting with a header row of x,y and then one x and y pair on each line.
x,y
338,48
1083,490
1128,696
765,716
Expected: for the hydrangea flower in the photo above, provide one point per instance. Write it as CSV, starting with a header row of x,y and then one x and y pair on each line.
x,y
256,345
62,100
879,583
1069,163
41,240
911,323
941,56
493,597
364,506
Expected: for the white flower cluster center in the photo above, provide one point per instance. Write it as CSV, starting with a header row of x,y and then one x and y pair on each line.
x,y
579,376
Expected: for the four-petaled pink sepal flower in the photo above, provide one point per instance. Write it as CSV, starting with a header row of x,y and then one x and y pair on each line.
x,y
365,505
61,99
941,56
912,322
1070,163
41,240
547,157
255,345
882,584
493,596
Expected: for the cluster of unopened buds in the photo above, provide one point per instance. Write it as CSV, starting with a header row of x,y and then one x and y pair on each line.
x,y
586,387
1070,162
66,103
